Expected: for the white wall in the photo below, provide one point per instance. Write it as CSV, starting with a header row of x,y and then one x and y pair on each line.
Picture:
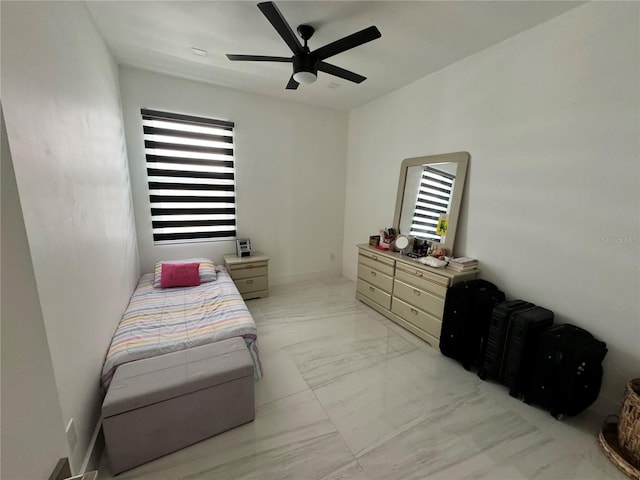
x,y
551,209
32,430
64,124
290,173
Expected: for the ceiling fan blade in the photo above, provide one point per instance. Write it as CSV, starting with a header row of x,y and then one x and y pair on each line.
x,y
292,85
258,58
340,72
274,16
347,43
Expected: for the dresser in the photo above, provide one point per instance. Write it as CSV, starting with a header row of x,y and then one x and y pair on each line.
x,y
405,290
250,274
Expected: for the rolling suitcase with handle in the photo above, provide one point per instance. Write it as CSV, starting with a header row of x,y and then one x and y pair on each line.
x,y
465,322
521,338
567,372
493,358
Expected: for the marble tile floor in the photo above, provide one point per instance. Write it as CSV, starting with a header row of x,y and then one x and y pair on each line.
x,y
349,395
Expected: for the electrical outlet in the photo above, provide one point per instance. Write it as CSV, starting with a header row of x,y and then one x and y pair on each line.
x,y
72,436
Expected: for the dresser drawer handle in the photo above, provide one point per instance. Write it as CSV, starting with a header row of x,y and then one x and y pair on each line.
x,y
372,289
374,257
417,274
417,292
373,274
249,281
414,311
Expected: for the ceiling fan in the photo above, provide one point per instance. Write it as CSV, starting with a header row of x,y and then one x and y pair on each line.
x,y
306,63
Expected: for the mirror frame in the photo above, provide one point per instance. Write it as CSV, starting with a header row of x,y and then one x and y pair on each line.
x,y
462,161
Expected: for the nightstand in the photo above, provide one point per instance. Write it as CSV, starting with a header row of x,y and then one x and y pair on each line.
x,y
250,274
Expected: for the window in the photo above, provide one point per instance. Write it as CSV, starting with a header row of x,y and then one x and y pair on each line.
x,y
434,199
190,171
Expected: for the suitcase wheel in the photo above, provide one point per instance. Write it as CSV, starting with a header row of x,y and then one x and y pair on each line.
x,y
523,398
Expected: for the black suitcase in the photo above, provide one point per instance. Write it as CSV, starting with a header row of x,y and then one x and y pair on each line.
x,y
493,359
567,373
465,322
521,338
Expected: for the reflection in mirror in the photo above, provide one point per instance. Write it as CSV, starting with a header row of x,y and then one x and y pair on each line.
x,y
429,196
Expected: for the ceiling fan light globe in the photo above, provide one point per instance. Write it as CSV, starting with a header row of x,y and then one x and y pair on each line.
x,y
305,77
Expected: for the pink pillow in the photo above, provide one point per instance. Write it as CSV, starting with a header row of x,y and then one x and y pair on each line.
x,y
179,275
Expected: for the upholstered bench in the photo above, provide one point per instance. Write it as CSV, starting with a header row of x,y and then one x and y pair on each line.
x,y
161,404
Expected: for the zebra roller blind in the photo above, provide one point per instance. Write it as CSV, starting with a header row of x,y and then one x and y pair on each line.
x,y
190,171
434,199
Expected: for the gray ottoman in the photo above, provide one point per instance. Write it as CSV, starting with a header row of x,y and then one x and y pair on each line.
x,y
159,405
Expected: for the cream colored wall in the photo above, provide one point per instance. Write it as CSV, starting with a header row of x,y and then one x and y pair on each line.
x,y
290,173
551,209
32,430
64,123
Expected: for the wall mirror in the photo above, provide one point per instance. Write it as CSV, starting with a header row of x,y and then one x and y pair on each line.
x,y
429,195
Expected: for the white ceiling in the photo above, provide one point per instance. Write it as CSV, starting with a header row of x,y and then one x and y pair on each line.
x,y
418,38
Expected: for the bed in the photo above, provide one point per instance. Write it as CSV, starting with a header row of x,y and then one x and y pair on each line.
x,y
164,320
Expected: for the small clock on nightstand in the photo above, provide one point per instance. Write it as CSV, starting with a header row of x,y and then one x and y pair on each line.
x,y
250,274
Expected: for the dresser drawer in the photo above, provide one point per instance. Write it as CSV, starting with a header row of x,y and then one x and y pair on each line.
x,y
375,278
379,296
417,317
248,270
377,262
422,279
254,284
419,298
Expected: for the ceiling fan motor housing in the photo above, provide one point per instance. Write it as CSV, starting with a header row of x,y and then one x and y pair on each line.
x,y
305,62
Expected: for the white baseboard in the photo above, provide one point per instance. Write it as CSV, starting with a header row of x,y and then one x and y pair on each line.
x,y
305,277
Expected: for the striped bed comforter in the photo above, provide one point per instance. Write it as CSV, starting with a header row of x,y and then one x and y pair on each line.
x,y
159,321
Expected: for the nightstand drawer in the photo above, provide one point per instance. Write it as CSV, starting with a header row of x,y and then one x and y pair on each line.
x,y
254,284
248,270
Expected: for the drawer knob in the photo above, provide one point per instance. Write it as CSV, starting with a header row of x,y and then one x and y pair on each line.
x,y
249,281
417,292
374,257
373,274
372,289
414,311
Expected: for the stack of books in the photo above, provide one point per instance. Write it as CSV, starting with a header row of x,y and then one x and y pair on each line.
x,y
462,264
